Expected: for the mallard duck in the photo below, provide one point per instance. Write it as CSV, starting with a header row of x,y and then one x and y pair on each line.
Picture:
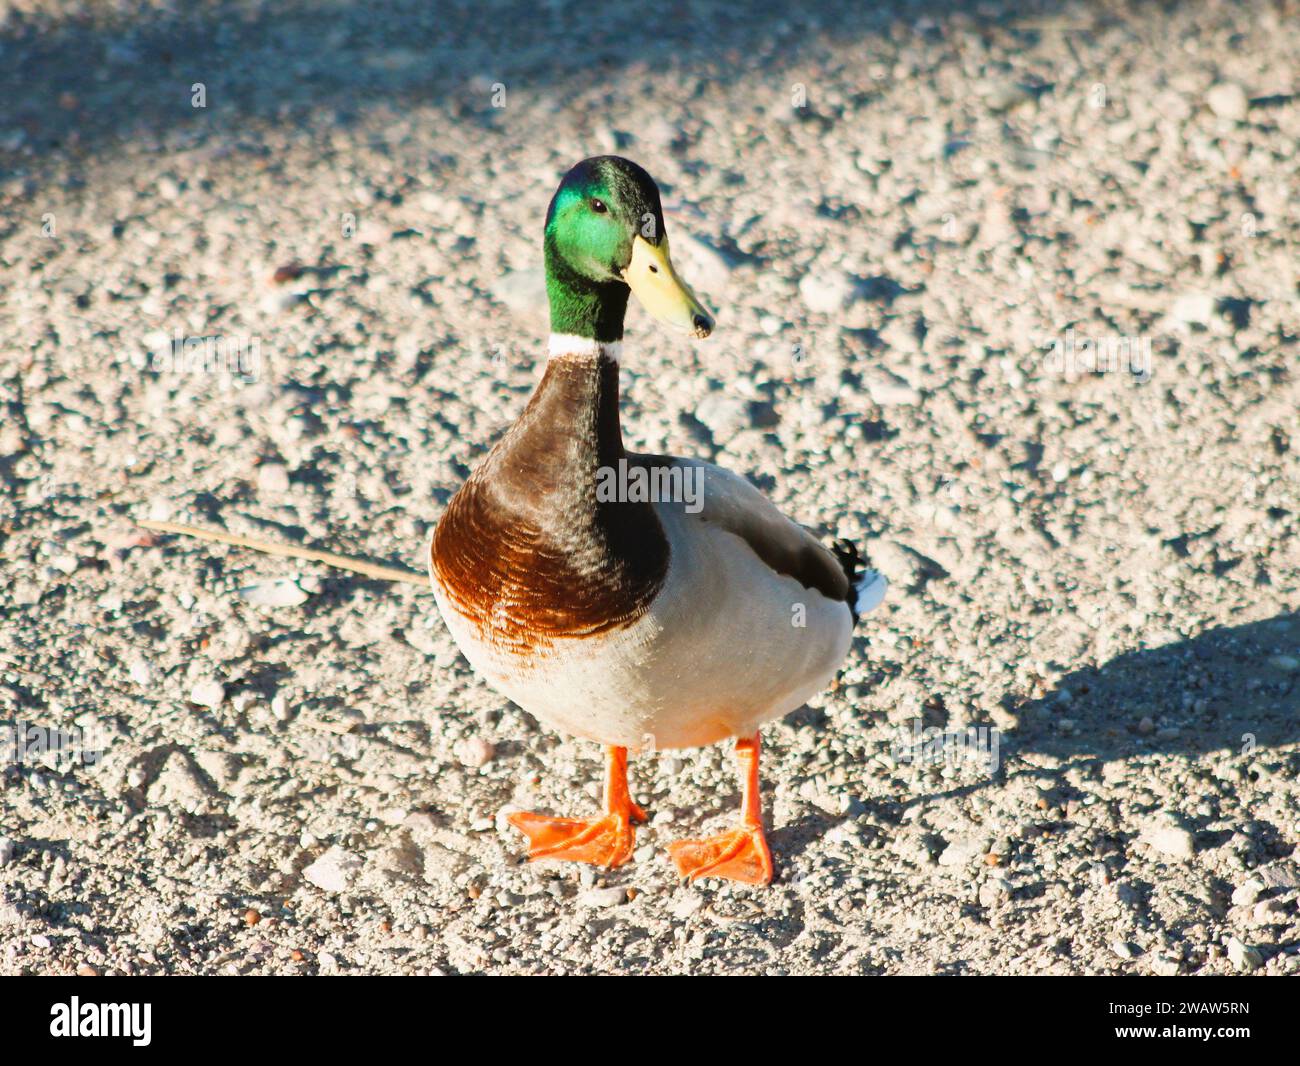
x,y
638,601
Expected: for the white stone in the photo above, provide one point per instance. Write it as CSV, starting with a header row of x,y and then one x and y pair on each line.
x,y
1267,911
1123,949
209,693
334,871
892,392
273,478
1244,957
141,672
1193,308
1245,894
282,592
1228,100
961,852
825,293
724,414
603,897
1170,840
476,752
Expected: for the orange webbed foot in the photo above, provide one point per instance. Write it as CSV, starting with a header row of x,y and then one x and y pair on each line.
x,y
607,841
739,854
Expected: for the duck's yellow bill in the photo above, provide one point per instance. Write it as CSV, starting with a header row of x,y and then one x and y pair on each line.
x,y
651,276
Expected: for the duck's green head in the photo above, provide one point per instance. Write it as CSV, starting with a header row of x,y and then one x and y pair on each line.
x,y
605,236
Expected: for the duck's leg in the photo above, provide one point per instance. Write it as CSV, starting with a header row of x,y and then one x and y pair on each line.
x,y
606,841
740,854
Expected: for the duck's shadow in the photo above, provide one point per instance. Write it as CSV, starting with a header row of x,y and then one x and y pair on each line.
x,y
1230,689
790,839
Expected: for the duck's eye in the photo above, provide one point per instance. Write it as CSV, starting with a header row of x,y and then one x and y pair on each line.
x,y
599,206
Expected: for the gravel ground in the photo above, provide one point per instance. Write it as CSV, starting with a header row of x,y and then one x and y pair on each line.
x,y
299,773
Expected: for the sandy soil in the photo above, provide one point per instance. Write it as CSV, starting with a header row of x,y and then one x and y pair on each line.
x,y
299,773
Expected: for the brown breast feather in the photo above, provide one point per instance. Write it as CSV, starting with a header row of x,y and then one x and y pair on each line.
x,y
525,550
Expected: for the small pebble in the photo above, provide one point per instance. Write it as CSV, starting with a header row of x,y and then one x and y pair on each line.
x,y
476,752
282,592
141,672
65,564
334,871
1268,911
1244,957
1244,895
825,292
1228,100
994,891
603,897
891,392
210,693
1281,875
1193,308
273,478
1005,95
686,906
1170,840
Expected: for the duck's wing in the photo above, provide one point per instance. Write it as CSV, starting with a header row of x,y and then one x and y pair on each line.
x,y
719,498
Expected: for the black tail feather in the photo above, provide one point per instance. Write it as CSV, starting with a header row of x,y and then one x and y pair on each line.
x,y
850,560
